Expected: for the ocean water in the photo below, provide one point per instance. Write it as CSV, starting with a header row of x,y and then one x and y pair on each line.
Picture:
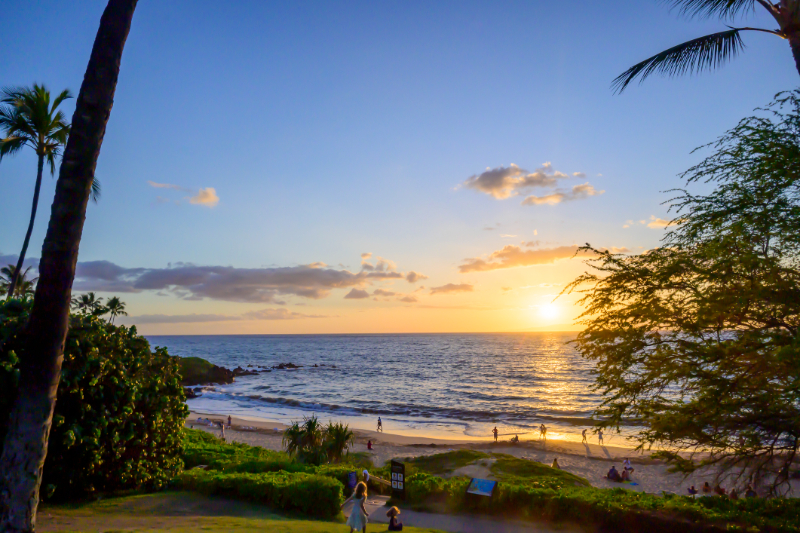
x,y
441,385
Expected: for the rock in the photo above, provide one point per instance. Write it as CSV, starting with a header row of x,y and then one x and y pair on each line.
x,y
197,371
190,393
286,366
239,371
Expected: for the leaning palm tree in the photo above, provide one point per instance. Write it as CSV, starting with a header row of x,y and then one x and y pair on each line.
x,y
115,307
711,51
31,415
25,287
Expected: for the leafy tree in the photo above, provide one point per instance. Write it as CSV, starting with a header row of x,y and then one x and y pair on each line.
x,y
698,339
711,51
312,443
115,308
25,286
25,445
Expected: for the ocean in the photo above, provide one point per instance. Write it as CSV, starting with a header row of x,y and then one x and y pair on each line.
x,y
456,386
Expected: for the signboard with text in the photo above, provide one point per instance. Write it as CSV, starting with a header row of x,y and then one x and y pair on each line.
x,y
481,487
398,480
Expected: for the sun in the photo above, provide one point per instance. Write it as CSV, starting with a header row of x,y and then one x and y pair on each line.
x,y
549,311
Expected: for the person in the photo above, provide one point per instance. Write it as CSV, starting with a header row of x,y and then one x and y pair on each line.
x,y
515,439
613,474
380,424
358,516
692,491
706,488
733,494
544,432
394,523
541,430
600,436
222,430
230,421
369,444
625,476
495,433
627,464
366,476
584,435
555,463
719,490
749,492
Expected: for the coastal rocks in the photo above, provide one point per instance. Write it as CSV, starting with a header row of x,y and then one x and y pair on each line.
x,y
239,371
189,393
197,371
286,366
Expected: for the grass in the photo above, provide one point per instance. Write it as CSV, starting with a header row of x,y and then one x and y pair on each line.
x,y
508,468
179,512
445,463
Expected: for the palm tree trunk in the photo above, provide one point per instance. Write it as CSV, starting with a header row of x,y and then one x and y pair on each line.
x,y
15,276
25,445
794,42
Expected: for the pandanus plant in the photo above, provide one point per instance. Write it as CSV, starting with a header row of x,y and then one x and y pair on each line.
x,y
311,442
711,51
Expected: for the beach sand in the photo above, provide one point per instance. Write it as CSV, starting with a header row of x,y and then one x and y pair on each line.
x,y
589,461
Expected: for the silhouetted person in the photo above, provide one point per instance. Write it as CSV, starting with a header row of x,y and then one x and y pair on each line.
x,y
583,434
495,433
380,424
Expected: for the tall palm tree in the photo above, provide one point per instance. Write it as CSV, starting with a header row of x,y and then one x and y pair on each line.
x,y
25,286
25,444
29,118
711,51
115,307
87,303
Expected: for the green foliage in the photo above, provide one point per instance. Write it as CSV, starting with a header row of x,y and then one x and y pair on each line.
x,y
312,443
510,468
119,412
24,287
699,338
309,494
442,463
194,369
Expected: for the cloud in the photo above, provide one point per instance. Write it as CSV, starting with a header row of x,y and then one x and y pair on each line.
x,y
623,250
657,223
513,256
413,277
409,299
578,192
207,197
452,287
366,255
580,175
255,285
383,292
263,314
167,186
628,224
505,182
356,294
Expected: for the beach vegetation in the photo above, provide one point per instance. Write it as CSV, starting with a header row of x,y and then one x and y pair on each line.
x,y
119,413
25,285
313,443
712,51
115,308
698,339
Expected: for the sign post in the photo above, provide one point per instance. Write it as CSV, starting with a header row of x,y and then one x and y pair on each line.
x,y
398,480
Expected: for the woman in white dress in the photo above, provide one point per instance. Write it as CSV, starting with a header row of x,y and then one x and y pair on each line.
x,y
358,516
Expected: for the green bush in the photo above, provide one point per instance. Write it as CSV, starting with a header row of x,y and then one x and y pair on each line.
x,y
309,494
119,412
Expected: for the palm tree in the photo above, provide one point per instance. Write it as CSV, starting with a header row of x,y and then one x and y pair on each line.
x,y
338,438
25,444
115,307
25,286
711,51
30,119
87,303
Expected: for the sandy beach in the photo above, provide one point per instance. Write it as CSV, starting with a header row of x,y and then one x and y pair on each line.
x,y
590,461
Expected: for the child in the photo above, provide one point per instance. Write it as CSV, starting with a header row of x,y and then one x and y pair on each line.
x,y
394,523
358,516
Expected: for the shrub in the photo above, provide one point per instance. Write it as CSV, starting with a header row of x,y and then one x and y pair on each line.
x,y
119,412
313,443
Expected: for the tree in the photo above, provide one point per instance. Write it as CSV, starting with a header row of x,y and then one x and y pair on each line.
x,y
712,51
30,119
25,286
25,445
312,443
698,340
89,304
115,307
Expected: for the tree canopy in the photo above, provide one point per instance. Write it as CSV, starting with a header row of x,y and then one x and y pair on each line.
x,y
696,341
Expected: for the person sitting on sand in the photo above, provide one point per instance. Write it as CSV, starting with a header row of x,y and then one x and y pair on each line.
x,y
719,490
749,492
613,474
706,488
515,440
394,523
495,433
358,516
627,465
692,491
733,495
369,444
625,476
555,464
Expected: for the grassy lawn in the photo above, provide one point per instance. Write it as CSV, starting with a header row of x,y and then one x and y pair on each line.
x,y
180,512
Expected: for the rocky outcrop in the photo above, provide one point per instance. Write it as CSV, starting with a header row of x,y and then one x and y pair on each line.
x,y
197,371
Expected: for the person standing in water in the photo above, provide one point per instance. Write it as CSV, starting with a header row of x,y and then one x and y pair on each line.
x,y
380,425
495,433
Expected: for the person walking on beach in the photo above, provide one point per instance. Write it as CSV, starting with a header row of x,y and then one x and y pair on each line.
x,y
380,425
600,436
584,436
495,433
230,421
358,516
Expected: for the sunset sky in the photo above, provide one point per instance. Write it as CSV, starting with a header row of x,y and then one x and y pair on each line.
x,y
312,167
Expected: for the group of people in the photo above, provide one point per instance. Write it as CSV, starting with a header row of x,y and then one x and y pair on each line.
x,y
749,492
359,516
599,436
625,475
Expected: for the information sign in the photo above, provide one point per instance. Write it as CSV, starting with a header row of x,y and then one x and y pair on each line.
x,y
398,480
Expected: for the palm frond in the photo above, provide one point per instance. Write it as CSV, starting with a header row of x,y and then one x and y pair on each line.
x,y
65,94
96,190
704,53
711,8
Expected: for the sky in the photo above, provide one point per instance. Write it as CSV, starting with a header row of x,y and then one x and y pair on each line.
x,y
373,167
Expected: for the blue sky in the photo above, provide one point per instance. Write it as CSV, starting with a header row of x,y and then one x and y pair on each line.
x,y
328,130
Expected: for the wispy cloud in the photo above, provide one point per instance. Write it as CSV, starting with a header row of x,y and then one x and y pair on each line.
x,y
657,223
168,186
263,314
504,182
513,256
413,277
206,197
452,287
578,192
356,294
